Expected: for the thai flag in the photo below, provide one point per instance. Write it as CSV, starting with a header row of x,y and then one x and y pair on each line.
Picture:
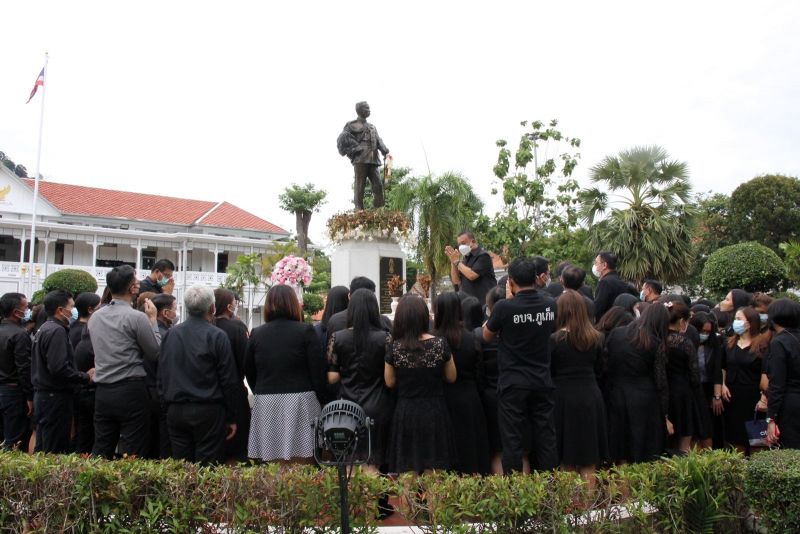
x,y
39,81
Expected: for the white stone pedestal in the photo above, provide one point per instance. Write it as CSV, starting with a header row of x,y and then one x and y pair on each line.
x,y
363,258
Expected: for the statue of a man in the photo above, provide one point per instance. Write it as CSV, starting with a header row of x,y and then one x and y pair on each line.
x,y
360,142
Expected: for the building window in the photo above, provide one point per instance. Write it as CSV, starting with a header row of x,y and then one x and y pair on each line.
x,y
9,248
222,262
59,253
148,258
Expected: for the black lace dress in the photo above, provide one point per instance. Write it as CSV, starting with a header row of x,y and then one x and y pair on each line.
x,y
686,397
421,435
637,397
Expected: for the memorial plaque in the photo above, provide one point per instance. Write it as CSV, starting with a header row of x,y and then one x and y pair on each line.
x,y
388,268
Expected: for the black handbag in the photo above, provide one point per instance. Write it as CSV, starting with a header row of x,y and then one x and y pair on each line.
x,y
756,431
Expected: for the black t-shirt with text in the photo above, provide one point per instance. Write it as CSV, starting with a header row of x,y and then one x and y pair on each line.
x,y
524,324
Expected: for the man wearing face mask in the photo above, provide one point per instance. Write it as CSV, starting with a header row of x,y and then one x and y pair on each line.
x,y
54,375
16,391
160,278
610,286
525,401
122,338
474,274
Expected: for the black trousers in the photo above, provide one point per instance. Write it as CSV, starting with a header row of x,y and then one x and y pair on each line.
x,y
84,420
53,420
121,417
364,171
159,446
523,412
14,422
197,432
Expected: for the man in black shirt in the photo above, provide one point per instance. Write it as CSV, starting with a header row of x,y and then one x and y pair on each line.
x,y
474,275
524,388
556,287
610,285
160,278
16,392
197,381
54,375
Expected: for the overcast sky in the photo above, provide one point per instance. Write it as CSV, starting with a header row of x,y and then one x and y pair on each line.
x,y
235,100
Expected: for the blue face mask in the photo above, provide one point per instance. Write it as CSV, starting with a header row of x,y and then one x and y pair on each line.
x,y
641,295
164,281
28,315
703,338
764,318
738,327
74,314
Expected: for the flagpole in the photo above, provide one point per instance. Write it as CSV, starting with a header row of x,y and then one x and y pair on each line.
x,y
32,245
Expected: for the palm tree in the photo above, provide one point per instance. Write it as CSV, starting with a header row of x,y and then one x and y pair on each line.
x,y
303,201
439,207
649,216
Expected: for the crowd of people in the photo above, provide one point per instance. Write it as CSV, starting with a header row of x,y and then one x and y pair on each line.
x,y
528,372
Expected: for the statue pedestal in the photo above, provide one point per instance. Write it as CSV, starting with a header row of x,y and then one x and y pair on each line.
x,y
378,260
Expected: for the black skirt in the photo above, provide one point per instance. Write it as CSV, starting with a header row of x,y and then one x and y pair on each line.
x,y
789,421
636,427
469,428
421,436
489,400
741,408
581,426
686,410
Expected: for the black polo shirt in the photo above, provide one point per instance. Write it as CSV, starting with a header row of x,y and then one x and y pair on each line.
x,y
524,324
479,261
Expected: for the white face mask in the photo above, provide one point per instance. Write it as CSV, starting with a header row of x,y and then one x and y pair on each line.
x,y
595,271
464,249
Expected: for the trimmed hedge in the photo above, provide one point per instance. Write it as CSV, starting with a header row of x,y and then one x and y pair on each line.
x,y
45,493
749,266
773,487
73,280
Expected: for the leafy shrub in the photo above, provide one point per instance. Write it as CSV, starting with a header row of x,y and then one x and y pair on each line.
x,y
748,266
312,303
38,296
786,295
73,280
773,487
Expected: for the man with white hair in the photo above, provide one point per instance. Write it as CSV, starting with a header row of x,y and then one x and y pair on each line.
x,y
197,382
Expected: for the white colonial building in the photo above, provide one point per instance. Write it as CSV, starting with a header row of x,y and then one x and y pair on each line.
x,y
95,229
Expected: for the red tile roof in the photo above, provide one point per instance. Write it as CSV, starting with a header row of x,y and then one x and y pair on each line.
x,y
97,202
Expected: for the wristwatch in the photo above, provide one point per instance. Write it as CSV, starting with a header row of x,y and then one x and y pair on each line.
x,y
717,397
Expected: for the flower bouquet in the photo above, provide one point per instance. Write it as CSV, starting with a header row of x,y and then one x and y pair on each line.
x,y
292,270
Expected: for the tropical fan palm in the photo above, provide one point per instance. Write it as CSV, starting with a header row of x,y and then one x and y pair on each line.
x,y
645,217
439,207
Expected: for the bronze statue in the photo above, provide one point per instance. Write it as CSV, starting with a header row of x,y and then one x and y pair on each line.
x,y
360,142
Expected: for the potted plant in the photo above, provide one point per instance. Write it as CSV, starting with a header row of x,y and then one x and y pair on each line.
x,y
395,285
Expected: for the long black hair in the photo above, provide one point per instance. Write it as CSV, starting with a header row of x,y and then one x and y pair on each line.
x,y
363,316
336,302
472,312
411,320
447,321
652,326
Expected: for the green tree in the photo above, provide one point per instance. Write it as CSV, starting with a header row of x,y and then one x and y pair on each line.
x,y
767,210
243,273
749,266
303,201
712,232
439,207
791,257
538,192
648,222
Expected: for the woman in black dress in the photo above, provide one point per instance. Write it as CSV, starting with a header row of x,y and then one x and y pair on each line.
x,y
228,320
580,415
742,366
637,393
686,400
355,359
783,424
488,386
709,365
463,397
416,365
